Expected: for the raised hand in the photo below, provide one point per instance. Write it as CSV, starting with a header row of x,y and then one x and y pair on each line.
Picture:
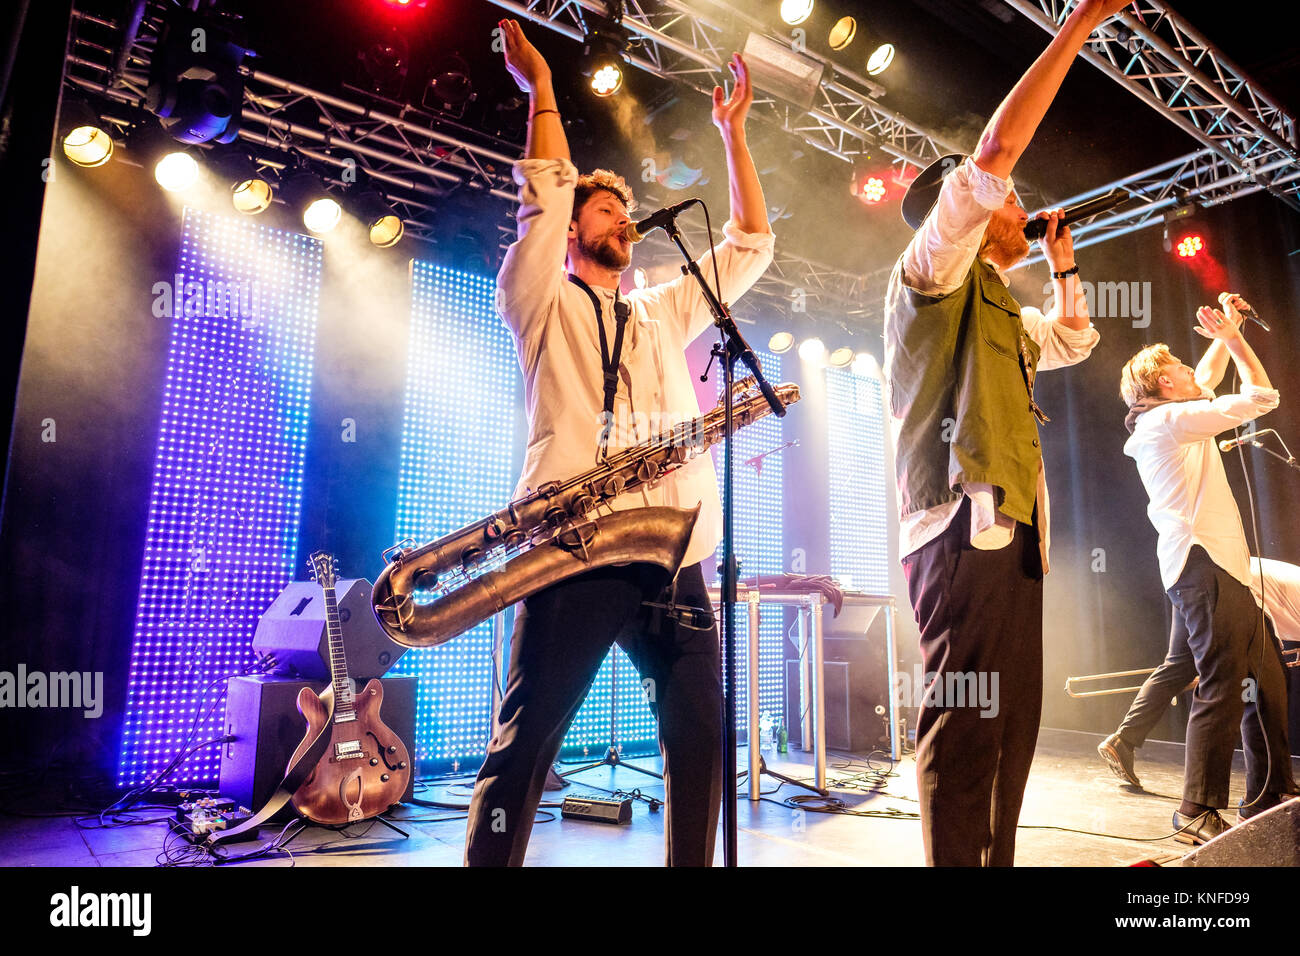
x,y
1233,304
526,65
1058,245
729,112
1215,325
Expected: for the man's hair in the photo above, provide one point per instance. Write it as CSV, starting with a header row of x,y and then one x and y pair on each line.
x,y
602,179
1141,376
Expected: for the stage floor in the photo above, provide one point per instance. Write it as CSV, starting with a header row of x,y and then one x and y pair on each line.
x,y
1070,790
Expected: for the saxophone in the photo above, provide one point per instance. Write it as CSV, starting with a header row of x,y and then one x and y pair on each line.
x,y
560,530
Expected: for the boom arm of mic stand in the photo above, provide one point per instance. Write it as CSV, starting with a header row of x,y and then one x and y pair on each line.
x,y
737,347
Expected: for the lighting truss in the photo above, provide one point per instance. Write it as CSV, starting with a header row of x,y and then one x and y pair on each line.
x,y
1204,177
1164,61
690,43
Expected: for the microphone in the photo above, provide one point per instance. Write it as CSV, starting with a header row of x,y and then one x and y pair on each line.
x,y
636,231
1250,439
1244,308
1037,228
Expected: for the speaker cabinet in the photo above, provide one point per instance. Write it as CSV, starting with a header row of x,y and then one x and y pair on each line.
x,y
857,682
262,715
293,629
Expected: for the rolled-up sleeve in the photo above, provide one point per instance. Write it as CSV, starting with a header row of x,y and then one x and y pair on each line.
x,y
533,268
743,257
1059,344
940,254
1196,421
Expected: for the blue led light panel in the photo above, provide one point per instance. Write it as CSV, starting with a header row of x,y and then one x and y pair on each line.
x,y
760,545
224,506
458,448
859,531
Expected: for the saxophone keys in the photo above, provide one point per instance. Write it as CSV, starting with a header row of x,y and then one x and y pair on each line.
x,y
613,487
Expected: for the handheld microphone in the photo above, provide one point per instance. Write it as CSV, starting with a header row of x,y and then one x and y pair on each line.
x,y
1244,308
636,231
1230,443
1037,228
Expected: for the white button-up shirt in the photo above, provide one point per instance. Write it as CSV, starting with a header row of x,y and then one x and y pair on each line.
x,y
936,263
1182,470
558,347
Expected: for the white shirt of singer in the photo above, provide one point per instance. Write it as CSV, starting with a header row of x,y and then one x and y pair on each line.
x,y
558,347
1182,470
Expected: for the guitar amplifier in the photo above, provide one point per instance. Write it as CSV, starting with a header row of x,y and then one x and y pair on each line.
x,y
262,715
293,629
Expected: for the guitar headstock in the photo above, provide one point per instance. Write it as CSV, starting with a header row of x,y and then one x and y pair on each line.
x,y
324,570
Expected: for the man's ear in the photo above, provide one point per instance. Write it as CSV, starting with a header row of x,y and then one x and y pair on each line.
x,y
573,228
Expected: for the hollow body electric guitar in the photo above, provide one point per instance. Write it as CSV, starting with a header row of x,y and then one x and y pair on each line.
x,y
365,767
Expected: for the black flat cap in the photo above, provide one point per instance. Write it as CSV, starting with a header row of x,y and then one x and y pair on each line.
x,y
924,191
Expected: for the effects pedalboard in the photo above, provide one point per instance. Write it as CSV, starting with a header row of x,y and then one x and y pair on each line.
x,y
596,809
197,819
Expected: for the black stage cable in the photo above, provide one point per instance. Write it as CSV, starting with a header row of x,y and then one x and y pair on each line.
x,y
1264,649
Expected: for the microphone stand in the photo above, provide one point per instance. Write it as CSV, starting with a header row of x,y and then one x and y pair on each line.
x,y
731,348
1253,441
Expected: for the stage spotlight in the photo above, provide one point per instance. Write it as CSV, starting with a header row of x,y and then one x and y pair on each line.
x,y
1190,246
176,171
322,215
841,357
639,278
252,196
251,191
451,88
795,12
867,188
842,34
865,364
812,350
85,140
195,85
385,226
781,342
880,59
601,61
607,80
305,193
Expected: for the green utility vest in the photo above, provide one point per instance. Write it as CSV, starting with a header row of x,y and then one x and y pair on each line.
x,y
959,370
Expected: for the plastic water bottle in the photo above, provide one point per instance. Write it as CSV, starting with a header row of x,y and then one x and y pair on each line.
x,y
766,743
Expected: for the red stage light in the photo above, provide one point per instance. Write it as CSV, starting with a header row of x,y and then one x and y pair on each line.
x,y
869,189
1190,245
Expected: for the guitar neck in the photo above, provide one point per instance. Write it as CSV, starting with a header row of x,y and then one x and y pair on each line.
x,y
343,703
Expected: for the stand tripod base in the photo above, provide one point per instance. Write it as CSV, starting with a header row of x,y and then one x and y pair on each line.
x,y
763,769
612,758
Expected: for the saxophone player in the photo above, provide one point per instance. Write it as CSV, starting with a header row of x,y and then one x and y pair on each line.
x,y
591,356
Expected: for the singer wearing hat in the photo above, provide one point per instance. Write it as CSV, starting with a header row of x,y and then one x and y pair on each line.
x,y
960,359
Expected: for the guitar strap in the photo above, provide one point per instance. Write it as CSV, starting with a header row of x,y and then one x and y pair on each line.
x,y
294,777
609,363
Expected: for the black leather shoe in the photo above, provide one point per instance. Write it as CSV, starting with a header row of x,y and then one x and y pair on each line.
x,y
1199,829
1119,757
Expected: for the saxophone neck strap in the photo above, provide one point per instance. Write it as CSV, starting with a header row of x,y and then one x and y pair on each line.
x,y
609,363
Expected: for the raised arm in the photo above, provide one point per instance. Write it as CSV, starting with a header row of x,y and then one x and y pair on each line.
x,y
748,208
546,139
1215,325
1214,363
1013,125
